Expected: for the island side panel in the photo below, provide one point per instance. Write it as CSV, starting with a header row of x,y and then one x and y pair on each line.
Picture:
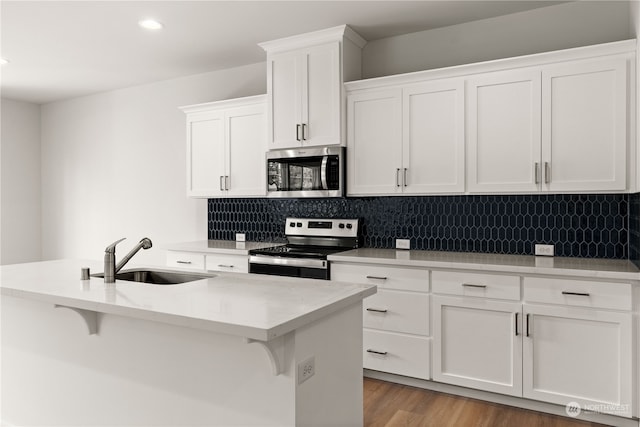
x,y
333,395
133,372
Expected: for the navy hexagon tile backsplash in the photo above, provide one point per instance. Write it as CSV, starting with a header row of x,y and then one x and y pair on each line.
x,y
585,225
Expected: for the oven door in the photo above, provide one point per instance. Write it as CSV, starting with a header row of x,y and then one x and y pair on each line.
x,y
312,172
292,267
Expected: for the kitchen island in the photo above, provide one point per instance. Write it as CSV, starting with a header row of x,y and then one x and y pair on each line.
x,y
229,350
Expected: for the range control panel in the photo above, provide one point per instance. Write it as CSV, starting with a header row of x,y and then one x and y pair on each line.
x,y
321,227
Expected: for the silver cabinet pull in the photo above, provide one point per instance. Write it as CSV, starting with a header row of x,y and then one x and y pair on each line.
x,y
471,285
516,316
377,310
225,266
377,277
226,182
404,180
580,294
398,177
221,183
527,319
183,262
547,173
304,126
298,132
382,353
536,172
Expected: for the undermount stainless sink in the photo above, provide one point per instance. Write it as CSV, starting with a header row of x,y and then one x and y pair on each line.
x,y
158,277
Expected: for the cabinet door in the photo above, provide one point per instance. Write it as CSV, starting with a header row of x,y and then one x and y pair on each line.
x,y
374,142
578,355
321,96
205,154
477,343
585,126
433,138
285,81
246,165
503,126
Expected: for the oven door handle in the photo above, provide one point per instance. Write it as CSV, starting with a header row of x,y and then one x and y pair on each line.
x,y
293,262
323,172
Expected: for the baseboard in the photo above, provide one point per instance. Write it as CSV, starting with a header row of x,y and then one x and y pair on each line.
x,y
518,402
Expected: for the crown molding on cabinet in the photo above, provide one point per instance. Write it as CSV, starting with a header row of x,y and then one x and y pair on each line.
x,y
625,47
316,37
225,103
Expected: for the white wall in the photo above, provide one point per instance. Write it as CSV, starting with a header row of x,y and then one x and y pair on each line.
x,y
550,28
20,235
114,165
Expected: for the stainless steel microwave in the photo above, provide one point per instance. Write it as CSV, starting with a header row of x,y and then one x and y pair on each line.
x,y
306,172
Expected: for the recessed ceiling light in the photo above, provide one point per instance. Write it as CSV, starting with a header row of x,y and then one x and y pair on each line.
x,y
4,61
150,24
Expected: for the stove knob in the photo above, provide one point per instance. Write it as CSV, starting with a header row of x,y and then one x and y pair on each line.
x,y
299,224
341,225
292,224
349,226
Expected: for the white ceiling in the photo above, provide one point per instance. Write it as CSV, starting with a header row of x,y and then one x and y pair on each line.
x,y
64,49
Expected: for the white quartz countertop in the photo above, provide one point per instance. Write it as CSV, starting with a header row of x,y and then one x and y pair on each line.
x,y
220,246
258,307
517,264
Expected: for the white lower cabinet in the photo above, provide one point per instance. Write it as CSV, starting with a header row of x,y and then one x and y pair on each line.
x,y
396,320
228,262
208,262
570,341
477,343
579,355
189,260
396,353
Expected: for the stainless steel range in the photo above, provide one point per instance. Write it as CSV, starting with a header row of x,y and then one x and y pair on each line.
x,y
311,240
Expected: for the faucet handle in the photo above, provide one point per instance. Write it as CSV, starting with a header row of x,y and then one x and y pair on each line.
x,y
111,249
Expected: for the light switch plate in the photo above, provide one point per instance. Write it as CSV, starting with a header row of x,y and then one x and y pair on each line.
x,y
403,244
544,250
240,237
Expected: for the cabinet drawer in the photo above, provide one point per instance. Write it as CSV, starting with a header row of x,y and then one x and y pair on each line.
x,y
235,263
397,353
581,293
190,260
383,276
476,284
397,311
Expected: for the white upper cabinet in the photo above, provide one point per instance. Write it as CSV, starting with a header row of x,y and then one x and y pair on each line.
x,y
557,122
584,127
433,137
503,130
374,156
305,75
226,145
406,140
205,154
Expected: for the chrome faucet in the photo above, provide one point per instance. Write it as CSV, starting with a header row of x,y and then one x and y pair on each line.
x,y
110,267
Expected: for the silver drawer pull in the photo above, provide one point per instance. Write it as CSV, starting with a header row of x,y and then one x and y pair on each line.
x,y
377,277
580,294
377,310
382,353
471,285
225,266
183,262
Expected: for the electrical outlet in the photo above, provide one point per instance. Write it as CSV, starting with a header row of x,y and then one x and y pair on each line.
x,y
240,237
306,369
544,250
403,244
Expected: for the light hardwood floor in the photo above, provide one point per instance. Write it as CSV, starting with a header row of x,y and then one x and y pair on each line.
x,y
390,405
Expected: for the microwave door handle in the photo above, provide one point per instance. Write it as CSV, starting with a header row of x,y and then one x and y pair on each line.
x,y
323,172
